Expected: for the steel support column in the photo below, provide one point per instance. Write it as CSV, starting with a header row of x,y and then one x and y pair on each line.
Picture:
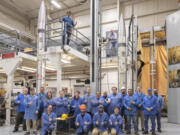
x,y
94,70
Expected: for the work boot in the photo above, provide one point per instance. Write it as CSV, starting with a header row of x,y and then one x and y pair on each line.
x,y
128,132
15,130
34,132
27,133
145,132
136,133
153,133
159,130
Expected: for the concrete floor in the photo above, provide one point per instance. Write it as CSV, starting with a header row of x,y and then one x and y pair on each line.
x,y
167,128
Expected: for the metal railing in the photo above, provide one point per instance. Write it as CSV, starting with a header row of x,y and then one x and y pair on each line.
x,y
12,42
55,30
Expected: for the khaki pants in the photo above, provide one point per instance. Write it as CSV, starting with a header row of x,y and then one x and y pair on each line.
x,y
140,114
28,125
113,132
97,132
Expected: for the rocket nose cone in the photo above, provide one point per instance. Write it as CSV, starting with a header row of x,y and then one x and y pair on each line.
x,y
42,16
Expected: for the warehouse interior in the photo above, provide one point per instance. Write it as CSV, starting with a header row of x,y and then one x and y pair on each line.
x,y
32,54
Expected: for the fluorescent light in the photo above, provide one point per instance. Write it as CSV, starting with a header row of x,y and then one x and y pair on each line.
x,y
56,4
27,69
109,67
65,61
48,67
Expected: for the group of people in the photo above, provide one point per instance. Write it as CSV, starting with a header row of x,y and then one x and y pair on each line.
x,y
114,112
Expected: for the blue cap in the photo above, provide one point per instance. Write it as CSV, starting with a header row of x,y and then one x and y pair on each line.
x,y
149,89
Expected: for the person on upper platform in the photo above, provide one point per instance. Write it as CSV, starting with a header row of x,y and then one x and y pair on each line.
x,y
68,25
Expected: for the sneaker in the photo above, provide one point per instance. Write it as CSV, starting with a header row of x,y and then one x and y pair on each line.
x,y
145,132
159,130
27,133
15,130
136,133
142,129
153,133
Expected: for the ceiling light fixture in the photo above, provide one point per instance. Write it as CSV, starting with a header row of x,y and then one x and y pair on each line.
x,y
55,3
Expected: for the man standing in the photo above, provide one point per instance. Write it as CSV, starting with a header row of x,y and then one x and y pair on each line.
x,y
41,98
61,108
31,111
124,94
87,100
140,111
160,106
114,100
112,43
115,122
20,110
130,103
100,122
48,120
68,25
95,102
104,99
83,121
150,110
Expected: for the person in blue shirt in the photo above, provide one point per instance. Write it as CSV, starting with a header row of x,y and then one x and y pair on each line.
x,y
41,98
48,121
95,102
83,121
87,100
100,122
68,25
112,43
160,106
76,101
31,111
150,110
48,101
140,111
20,110
115,122
124,94
103,100
114,100
130,104
61,108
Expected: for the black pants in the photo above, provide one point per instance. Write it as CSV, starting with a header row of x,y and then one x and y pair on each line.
x,y
125,120
19,120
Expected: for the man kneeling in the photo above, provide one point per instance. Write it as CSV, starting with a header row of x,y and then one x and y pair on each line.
x,y
83,121
100,122
115,122
49,120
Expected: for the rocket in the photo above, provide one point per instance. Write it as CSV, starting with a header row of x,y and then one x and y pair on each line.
x,y
41,46
122,77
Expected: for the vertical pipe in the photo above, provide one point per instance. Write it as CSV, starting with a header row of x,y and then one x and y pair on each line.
x,y
59,72
8,102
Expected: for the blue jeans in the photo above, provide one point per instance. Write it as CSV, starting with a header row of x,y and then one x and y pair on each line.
x,y
152,117
68,33
134,119
158,117
112,45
